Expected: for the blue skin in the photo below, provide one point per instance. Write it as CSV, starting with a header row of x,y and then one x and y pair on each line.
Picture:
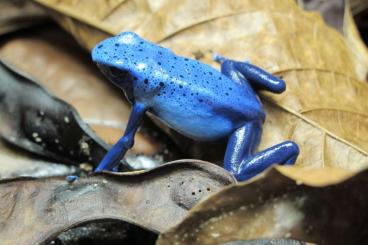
x,y
71,178
194,99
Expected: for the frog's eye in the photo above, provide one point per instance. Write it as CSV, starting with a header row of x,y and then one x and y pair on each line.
x,y
116,72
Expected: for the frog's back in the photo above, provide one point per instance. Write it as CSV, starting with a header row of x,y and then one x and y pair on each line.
x,y
201,102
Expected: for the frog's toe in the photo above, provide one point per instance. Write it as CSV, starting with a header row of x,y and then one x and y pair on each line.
x,y
242,176
293,151
71,178
218,58
116,168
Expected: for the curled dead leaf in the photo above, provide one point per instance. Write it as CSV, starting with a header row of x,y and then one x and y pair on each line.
x,y
36,121
155,199
274,206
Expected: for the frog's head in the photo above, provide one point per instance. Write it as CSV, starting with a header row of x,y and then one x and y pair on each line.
x,y
125,57
112,56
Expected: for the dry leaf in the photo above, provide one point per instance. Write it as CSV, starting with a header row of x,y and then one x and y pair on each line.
x,y
274,206
332,11
324,108
352,34
338,14
156,200
358,6
15,15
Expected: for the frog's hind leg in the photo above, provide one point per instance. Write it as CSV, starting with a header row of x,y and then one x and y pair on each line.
x,y
241,159
257,77
112,159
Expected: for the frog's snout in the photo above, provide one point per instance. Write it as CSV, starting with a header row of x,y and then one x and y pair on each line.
x,y
99,56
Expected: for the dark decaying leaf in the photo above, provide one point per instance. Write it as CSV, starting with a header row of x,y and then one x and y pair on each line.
x,y
106,232
155,199
274,206
15,162
34,120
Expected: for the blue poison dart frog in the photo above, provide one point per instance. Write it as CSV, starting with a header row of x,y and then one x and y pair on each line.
x,y
194,99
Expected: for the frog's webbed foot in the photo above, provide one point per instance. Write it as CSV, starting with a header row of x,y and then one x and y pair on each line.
x,y
241,160
112,159
257,77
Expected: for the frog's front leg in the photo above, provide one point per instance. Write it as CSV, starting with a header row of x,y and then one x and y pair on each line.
x,y
241,159
117,152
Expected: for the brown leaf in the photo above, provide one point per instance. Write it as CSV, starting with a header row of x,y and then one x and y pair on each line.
x,y
324,108
274,206
358,6
156,199
332,11
15,15
338,14
351,32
